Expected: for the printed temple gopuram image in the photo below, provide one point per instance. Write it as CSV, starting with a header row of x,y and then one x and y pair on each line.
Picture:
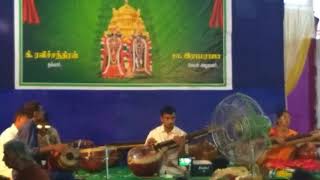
x,y
126,45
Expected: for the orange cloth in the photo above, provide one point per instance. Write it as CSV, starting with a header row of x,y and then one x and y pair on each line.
x,y
281,153
274,133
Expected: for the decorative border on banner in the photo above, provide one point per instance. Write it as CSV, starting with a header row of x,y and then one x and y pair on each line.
x,y
227,54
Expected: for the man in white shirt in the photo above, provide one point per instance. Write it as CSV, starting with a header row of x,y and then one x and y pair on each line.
x,y
20,119
168,131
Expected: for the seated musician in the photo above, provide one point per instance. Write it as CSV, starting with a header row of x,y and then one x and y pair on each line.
x,y
29,133
278,134
168,131
48,135
29,136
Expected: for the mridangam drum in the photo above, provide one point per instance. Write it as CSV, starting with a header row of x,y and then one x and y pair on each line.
x,y
93,159
66,160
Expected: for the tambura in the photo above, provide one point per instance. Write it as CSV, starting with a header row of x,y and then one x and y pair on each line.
x,y
93,159
67,160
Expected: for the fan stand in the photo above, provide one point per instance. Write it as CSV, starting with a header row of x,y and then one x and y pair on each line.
x,y
253,166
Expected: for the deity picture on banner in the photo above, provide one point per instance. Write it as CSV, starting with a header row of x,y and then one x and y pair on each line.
x,y
126,45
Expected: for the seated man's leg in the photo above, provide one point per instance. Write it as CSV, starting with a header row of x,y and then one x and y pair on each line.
x,y
172,168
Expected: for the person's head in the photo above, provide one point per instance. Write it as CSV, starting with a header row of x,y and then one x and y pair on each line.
x,y
168,117
43,124
283,119
20,118
16,155
34,109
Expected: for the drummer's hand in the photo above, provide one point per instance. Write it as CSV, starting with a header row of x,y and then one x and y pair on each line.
x,y
59,147
151,141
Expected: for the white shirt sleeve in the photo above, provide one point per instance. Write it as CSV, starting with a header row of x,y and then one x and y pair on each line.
x,y
6,137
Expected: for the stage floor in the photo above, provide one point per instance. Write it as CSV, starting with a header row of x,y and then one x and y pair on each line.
x,y
120,172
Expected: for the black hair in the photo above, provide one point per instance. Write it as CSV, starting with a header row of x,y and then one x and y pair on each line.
x,y
167,110
30,107
280,113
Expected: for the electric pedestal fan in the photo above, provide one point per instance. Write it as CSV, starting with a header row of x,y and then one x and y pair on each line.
x,y
241,130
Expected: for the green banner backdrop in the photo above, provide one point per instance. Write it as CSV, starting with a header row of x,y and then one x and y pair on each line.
x,y
119,44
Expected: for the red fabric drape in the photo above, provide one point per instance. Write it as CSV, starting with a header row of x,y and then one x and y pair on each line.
x,y
30,13
216,19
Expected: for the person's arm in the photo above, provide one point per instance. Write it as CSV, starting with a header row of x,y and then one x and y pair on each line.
x,y
44,149
181,142
274,137
150,140
278,140
52,147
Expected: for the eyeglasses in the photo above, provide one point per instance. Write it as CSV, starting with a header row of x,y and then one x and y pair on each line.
x,y
39,126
